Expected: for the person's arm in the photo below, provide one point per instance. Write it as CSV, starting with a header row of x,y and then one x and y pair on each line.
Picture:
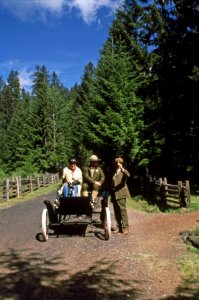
x,y
86,177
78,177
102,176
67,176
124,171
64,176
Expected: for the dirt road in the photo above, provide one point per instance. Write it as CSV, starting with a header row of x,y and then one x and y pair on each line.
x,y
141,265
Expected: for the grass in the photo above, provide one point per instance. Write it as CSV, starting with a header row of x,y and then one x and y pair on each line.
x,y
189,266
29,196
194,203
140,203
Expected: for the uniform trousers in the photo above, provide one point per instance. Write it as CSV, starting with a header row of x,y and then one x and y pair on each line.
x,y
120,212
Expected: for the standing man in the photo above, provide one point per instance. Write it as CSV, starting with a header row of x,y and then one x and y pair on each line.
x,y
93,178
119,195
72,177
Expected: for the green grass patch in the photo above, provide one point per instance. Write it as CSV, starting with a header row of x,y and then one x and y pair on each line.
x,y
189,266
141,204
29,196
194,203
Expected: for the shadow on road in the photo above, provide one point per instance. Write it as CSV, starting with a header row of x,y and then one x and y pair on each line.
x,y
28,277
33,277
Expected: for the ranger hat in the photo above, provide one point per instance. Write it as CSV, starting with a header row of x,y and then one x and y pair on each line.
x,y
94,158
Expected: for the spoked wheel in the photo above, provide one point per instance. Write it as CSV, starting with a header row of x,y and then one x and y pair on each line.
x,y
107,223
45,223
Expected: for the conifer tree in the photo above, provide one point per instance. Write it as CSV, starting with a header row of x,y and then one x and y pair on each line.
x,y
116,112
80,99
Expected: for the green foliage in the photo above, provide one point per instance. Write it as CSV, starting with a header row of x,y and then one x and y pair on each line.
x,y
2,174
196,231
28,168
139,101
115,110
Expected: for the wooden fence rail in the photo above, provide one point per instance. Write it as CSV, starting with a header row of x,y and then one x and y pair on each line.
x,y
18,186
168,194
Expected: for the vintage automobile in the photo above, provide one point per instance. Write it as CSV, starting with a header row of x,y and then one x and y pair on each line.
x,y
76,212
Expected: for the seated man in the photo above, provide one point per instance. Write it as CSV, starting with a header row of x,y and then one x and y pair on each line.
x,y
93,178
72,180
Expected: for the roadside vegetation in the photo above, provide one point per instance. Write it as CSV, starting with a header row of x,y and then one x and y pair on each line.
x,y
189,265
140,203
30,196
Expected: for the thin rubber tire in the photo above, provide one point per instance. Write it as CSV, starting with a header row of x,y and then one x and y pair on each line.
x,y
45,223
107,223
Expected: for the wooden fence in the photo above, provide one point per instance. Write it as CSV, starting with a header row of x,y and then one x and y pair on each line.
x,y
18,186
176,195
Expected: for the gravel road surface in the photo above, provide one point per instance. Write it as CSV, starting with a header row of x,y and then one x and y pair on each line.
x,y
142,265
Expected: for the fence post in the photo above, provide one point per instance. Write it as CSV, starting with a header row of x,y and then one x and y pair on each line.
x,y
180,192
187,186
165,189
162,190
7,189
31,188
17,186
185,195
38,182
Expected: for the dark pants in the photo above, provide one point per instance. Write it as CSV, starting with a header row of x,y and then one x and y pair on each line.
x,y
120,212
90,187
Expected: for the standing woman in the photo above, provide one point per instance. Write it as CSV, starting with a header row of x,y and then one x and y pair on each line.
x,y
119,195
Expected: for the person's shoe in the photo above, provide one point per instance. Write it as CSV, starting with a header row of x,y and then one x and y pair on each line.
x,y
125,231
116,230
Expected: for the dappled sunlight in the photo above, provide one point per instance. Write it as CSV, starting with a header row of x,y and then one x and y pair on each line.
x,y
30,277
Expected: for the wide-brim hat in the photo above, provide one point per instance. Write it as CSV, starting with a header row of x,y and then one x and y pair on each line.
x,y
94,158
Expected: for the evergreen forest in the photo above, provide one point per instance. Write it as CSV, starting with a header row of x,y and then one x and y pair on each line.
x,y
140,101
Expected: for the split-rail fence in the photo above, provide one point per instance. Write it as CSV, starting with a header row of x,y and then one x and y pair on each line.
x,y
166,194
18,186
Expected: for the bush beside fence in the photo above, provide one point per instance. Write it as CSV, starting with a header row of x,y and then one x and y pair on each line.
x,y
18,186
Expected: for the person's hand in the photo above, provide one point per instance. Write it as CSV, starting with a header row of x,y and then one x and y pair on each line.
x,y
98,183
120,166
76,182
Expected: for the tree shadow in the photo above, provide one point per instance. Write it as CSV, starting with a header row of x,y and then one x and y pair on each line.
x,y
185,293
29,276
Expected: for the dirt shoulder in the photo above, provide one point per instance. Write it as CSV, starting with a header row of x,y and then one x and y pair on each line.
x,y
158,244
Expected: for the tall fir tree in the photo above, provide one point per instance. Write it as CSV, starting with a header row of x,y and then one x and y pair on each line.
x,y
116,113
